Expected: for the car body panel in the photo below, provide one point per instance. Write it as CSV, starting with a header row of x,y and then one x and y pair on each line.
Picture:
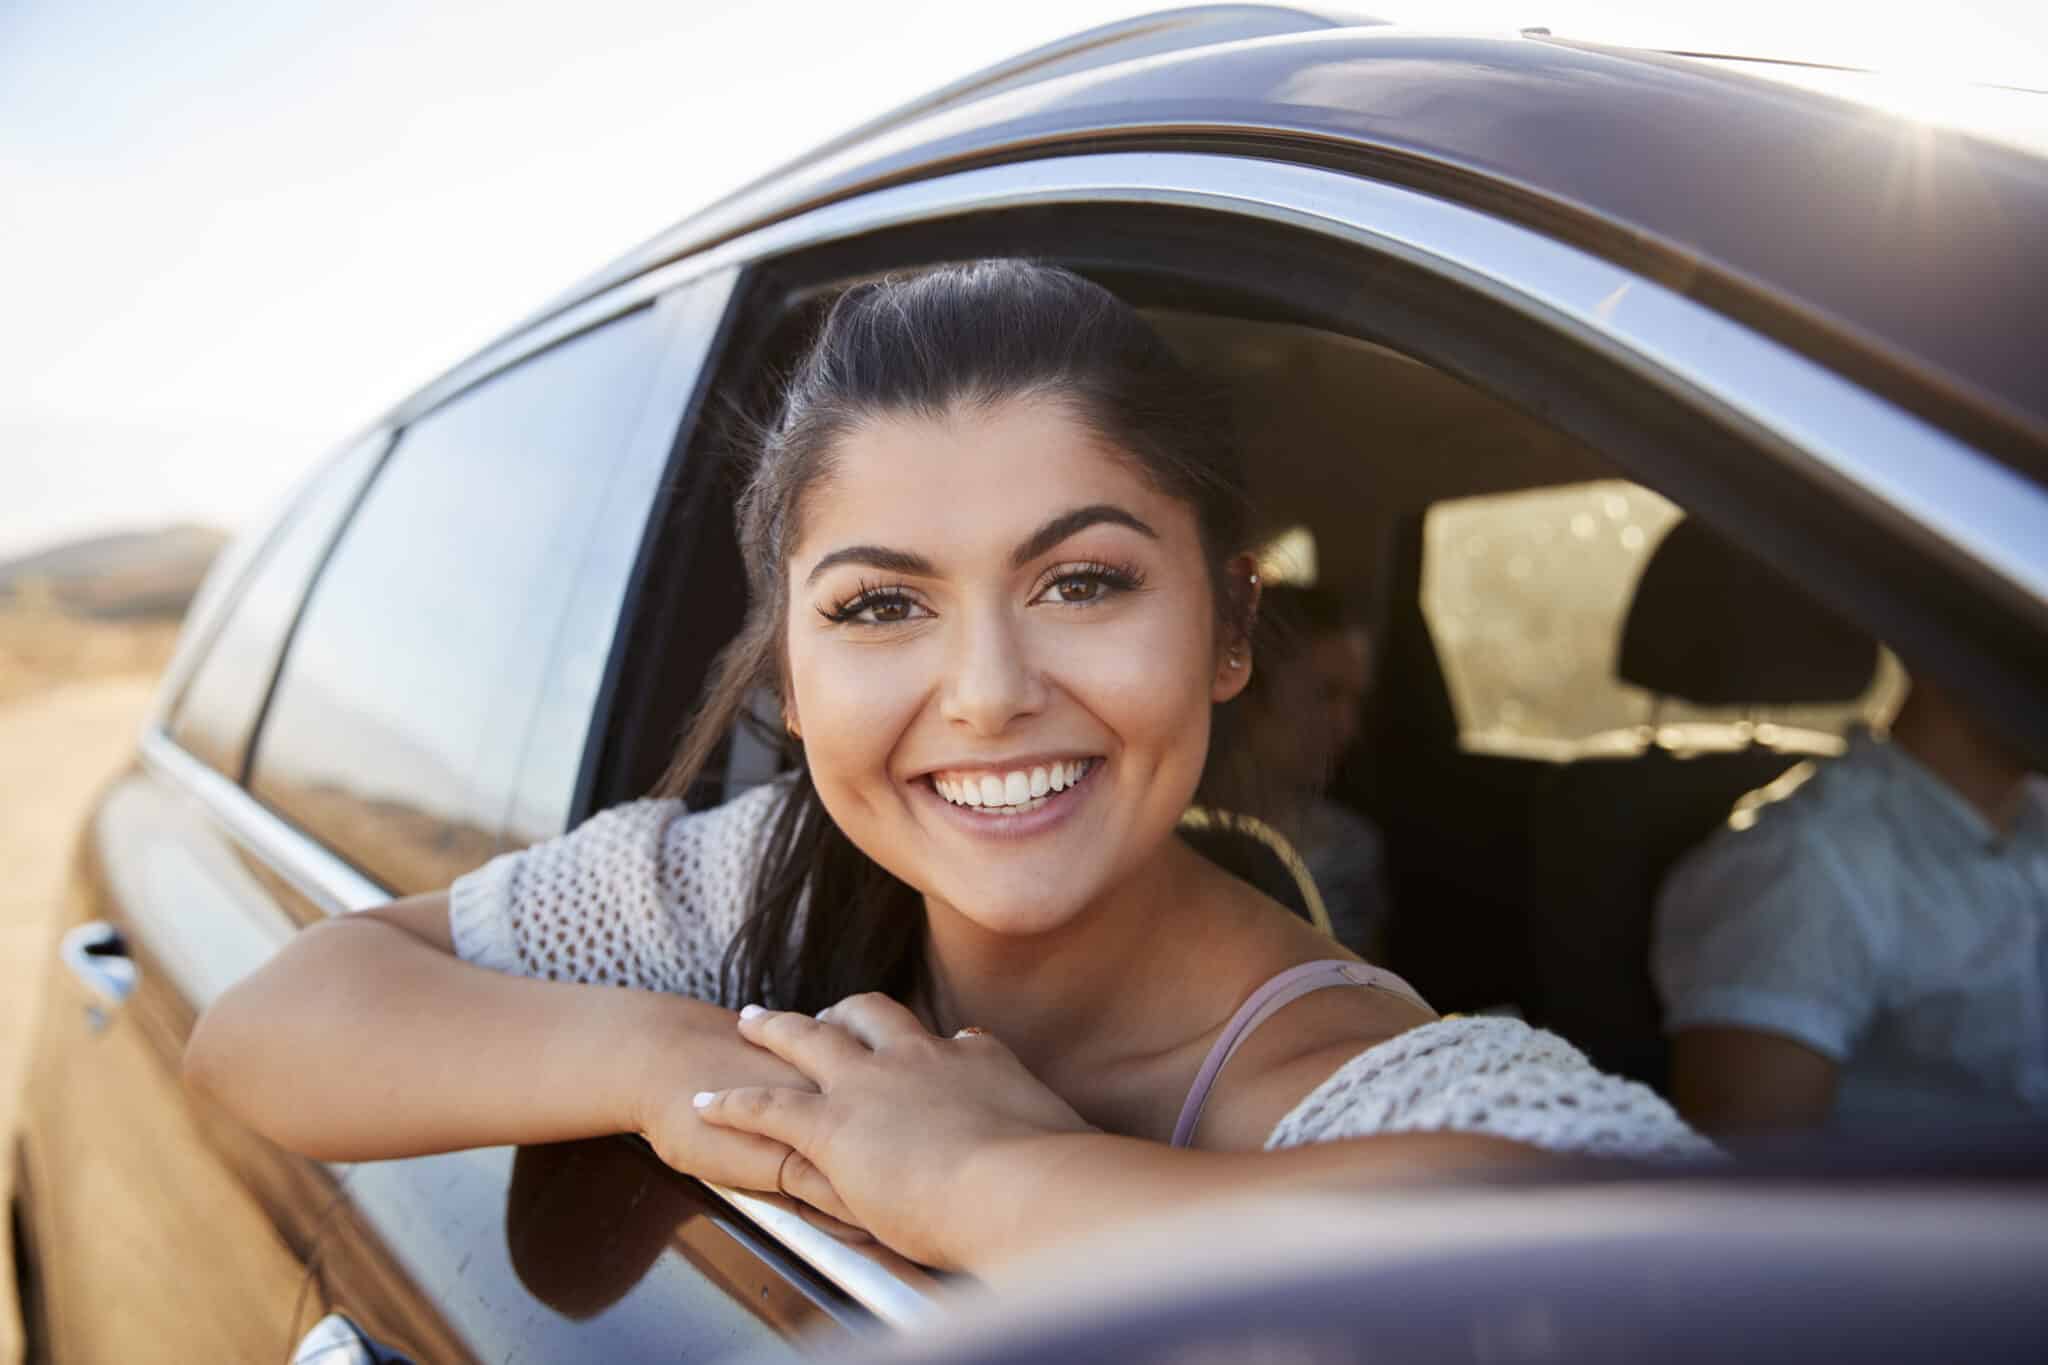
x,y
123,1182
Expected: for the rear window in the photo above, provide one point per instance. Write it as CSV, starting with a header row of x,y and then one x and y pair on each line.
x,y
399,727
1526,595
217,713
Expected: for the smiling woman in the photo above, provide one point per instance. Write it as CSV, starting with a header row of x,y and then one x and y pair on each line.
x,y
1075,609
999,581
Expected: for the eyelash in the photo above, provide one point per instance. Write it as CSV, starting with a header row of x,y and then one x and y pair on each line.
x,y
1110,580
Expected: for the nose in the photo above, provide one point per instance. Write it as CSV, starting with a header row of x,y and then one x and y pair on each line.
x,y
992,680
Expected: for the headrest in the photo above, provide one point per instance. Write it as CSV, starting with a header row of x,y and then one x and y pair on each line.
x,y
1712,626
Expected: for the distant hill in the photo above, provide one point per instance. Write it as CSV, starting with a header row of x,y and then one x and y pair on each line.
x,y
122,576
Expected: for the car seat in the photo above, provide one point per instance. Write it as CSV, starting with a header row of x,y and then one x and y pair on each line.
x,y
1455,824
1714,627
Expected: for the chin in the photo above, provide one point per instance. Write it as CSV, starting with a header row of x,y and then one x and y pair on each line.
x,y
1012,909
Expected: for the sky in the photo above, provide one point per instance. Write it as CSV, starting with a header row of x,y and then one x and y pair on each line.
x,y
232,233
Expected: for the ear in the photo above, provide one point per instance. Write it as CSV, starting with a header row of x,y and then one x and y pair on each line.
x,y
1234,657
789,722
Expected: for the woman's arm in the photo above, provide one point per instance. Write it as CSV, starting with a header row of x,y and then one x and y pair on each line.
x,y
366,1038
952,1153
1027,1193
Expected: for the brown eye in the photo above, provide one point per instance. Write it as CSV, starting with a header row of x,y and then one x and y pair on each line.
x,y
1086,585
1078,588
875,607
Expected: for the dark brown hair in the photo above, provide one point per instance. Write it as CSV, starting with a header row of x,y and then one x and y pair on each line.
x,y
826,920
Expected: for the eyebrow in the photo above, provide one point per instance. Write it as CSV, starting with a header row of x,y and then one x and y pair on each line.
x,y
1037,543
875,557
1073,523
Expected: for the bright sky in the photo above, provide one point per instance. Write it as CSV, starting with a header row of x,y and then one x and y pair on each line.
x,y
232,231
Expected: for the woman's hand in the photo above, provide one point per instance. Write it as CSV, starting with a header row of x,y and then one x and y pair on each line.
x,y
896,1115
730,1156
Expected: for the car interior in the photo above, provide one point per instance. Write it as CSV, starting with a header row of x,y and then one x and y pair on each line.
x,y
1573,681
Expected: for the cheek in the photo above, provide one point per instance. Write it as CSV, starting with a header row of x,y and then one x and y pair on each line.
x,y
853,705
1148,681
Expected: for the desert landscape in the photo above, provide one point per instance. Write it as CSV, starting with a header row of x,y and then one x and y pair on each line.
x,y
84,631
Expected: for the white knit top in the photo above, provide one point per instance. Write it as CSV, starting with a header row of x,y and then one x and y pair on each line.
x,y
649,895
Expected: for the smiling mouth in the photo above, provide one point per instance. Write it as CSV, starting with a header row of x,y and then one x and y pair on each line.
x,y
1013,793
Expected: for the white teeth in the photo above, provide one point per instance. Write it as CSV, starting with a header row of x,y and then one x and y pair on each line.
x,y
1012,791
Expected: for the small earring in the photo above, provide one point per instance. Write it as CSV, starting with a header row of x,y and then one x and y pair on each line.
x,y
1235,660
1255,580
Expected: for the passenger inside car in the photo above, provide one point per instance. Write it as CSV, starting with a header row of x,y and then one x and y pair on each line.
x,y
1871,948
1297,717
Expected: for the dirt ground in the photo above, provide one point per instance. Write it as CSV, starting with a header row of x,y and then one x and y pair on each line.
x,y
57,745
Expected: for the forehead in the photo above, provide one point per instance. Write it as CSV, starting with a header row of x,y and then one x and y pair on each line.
x,y
971,476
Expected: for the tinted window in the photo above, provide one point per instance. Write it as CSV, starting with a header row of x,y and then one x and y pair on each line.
x,y
217,713
399,726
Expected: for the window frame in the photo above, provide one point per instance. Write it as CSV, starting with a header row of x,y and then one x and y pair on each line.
x,y
681,345
1926,540
1689,401
244,562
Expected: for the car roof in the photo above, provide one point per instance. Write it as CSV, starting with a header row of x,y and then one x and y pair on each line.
x,y
1913,257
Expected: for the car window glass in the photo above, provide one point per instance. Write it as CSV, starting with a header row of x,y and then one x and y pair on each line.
x,y
1525,594
400,717
590,654
217,713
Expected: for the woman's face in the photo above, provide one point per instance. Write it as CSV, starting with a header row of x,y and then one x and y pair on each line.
x,y
1002,654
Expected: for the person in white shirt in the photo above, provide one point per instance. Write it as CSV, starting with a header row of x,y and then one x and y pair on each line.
x,y
1873,951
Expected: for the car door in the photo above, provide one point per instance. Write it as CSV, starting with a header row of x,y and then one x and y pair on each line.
x,y
123,1176
504,653
430,708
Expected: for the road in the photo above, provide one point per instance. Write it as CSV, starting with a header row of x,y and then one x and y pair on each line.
x,y
56,749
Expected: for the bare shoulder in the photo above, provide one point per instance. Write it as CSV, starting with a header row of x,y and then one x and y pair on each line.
x,y
1295,1051
1298,1047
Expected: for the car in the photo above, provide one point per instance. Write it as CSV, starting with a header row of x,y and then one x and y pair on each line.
x,y
1545,351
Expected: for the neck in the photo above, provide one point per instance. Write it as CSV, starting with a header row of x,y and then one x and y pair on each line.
x,y
1089,991
1954,747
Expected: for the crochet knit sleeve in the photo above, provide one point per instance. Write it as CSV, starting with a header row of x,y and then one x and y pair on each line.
x,y
1493,1076
646,894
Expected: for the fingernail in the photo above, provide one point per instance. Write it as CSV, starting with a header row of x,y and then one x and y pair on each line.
x,y
702,1099
749,1011
822,1013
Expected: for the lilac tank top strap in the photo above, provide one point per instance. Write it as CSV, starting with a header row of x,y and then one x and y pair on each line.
x,y
1267,1001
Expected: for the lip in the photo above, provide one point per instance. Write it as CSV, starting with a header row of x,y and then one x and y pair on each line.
x,y
1059,808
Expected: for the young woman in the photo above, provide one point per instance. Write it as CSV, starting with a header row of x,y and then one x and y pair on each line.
x,y
997,581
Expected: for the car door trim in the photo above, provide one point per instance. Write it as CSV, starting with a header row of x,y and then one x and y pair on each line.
x,y
1802,413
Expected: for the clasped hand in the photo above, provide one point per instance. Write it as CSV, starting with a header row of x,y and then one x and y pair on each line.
x,y
887,1138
